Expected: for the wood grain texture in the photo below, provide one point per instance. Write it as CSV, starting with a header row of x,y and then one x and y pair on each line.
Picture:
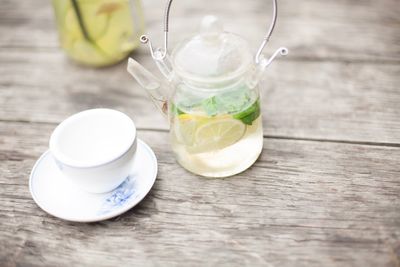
x,y
325,192
302,204
339,82
319,100
338,30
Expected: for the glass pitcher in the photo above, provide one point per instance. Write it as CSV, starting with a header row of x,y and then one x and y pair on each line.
x,y
211,96
98,32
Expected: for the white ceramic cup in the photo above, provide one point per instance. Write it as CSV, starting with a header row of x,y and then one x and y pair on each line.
x,y
95,149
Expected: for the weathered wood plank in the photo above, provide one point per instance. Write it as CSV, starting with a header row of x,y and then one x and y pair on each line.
x,y
315,29
350,102
303,203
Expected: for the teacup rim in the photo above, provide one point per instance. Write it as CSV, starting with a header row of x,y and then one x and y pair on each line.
x,y
66,161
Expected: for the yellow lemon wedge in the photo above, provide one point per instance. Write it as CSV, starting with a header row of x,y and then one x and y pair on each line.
x,y
116,39
218,133
185,127
201,134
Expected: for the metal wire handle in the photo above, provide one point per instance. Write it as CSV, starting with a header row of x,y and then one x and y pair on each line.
x,y
161,54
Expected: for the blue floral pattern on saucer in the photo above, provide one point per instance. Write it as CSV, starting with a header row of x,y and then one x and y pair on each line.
x,y
59,197
122,194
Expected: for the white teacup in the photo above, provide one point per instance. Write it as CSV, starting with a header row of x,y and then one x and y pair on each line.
x,y
95,149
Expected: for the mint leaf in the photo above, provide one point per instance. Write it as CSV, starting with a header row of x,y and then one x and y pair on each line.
x,y
233,102
250,114
176,110
210,106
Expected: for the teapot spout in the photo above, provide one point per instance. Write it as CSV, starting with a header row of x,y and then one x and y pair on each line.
x,y
262,65
157,91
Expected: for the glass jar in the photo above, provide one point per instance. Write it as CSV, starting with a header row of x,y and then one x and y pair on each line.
x,y
99,32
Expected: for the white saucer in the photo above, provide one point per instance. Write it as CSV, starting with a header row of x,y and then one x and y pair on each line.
x,y
59,197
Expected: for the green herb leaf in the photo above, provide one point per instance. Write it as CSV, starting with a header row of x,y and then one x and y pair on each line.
x,y
233,102
176,110
250,114
78,14
210,106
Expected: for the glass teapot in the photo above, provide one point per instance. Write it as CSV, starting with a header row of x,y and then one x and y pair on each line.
x,y
211,96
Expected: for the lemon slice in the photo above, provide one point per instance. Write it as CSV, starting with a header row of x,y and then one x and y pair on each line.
x,y
217,133
96,22
185,128
85,52
116,40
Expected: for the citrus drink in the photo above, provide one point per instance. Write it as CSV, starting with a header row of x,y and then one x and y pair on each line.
x,y
98,32
214,140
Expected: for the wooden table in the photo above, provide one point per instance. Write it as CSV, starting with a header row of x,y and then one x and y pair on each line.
x,y
325,192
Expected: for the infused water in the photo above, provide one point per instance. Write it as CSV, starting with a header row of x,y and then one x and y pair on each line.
x,y
218,137
98,32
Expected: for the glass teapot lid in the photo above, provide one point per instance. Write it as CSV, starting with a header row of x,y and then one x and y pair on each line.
x,y
212,55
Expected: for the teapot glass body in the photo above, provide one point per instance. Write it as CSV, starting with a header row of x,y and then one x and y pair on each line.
x,y
210,93
216,131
